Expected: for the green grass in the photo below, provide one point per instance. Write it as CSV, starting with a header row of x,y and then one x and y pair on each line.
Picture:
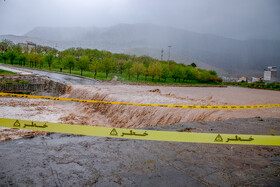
x,y
168,81
4,72
258,85
100,75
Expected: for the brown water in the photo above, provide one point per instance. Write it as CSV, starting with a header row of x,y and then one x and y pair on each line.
x,y
138,116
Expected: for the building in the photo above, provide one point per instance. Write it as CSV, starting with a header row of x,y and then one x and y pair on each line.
x,y
270,74
229,79
29,45
242,79
255,79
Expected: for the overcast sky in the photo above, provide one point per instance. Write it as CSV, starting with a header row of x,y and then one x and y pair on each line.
x,y
242,19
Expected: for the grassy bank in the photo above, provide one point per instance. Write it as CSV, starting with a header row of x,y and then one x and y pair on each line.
x,y
257,85
168,81
4,72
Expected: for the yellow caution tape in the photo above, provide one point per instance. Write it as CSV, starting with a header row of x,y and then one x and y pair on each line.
x,y
143,134
142,104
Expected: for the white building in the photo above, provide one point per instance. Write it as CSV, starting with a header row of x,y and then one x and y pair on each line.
x,y
270,74
255,79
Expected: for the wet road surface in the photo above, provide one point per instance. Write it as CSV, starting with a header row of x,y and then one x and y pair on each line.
x,y
15,70
57,77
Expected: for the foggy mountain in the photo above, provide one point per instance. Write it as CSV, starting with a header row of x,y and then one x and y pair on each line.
x,y
235,56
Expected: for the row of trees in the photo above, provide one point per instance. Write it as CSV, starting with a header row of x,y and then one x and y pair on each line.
x,y
106,62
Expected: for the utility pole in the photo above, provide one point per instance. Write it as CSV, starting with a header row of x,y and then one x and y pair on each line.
x,y
169,54
161,57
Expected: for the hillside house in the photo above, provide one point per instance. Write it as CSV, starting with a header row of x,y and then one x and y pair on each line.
x,y
29,45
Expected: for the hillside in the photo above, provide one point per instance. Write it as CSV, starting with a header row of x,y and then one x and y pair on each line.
x,y
234,56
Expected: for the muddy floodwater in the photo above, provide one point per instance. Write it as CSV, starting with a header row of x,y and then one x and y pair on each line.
x,y
138,116
53,159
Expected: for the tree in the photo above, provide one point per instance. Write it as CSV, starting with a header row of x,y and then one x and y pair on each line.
x,y
49,59
38,49
165,72
47,49
145,59
205,76
40,59
69,62
21,59
83,63
121,56
128,69
94,66
155,70
16,48
146,72
32,59
212,72
12,56
177,73
26,56
108,65
193,65
121,65
5,45
189,73
5,57
138,68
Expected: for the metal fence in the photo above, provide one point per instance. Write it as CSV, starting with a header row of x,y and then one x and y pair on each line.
x,y
21,87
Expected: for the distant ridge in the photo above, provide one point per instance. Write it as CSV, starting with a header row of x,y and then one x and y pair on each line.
x,y
234,56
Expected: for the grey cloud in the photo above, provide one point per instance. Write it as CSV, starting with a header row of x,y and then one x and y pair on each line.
x,y
242,19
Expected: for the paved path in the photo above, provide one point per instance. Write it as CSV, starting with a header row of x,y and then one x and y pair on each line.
x,y
57,77
15,70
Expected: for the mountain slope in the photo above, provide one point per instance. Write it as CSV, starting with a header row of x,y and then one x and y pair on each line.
x,y
232,55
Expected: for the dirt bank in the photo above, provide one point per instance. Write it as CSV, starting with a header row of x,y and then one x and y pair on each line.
x,y
135,116
67,160
49,87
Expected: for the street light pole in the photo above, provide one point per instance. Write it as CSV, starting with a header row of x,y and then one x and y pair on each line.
x,y
161,57
169,54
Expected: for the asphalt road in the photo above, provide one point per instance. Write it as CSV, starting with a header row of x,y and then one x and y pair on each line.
x,y
57,77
